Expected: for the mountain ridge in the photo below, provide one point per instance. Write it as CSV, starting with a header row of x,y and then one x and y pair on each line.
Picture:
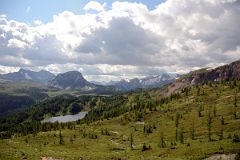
x,y
23,75
153,81
228,71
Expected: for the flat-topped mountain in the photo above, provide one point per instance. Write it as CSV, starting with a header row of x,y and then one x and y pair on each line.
x,y
71,80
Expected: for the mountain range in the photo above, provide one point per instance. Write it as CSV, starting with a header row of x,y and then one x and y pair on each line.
x,y
29,76
198,111
74,80
147,82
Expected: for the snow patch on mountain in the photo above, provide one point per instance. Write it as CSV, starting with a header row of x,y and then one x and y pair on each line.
x,y
27,76
147,82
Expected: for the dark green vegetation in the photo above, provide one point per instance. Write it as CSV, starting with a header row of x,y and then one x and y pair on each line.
x,y
14,102
30,118
191,124
15,96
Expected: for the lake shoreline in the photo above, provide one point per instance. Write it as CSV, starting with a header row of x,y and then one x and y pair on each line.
x,y
66,118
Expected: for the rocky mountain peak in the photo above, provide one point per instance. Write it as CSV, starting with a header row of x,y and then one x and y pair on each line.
x,y
71,80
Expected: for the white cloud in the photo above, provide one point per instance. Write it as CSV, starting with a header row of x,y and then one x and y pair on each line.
x,y
5,69
94,5
128,39
37,22
15,43
15,61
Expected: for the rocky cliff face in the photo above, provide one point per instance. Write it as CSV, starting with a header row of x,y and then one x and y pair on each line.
x,y
71,80
230,71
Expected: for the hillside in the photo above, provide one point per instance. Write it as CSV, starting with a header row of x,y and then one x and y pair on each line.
x,y
15,96
151,121
194,78
120,80
188,121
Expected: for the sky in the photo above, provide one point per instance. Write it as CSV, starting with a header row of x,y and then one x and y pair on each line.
x,y
111,40
29,10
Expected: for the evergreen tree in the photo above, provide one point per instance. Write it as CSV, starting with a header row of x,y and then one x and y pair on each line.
x,y
71,140
200,111
176,134
221,129
235,101
234,83
198,91
177,123
181,138
177,119
192,131
214,111
234,113
235,138
61,141
222,121
144,147
209,124
26,140
131,141
162,143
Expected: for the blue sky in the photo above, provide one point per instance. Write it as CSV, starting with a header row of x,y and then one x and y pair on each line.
x,y
29,10
118,39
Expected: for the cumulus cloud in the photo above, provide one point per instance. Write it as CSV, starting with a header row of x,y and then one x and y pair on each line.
x,y
122,42
6,69
94,5
128,39
37,22
15,43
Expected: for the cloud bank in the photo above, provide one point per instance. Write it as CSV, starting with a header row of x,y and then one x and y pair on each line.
x,y
126,40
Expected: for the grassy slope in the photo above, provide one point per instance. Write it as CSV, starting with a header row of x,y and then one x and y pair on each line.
x,y
11,87
117,144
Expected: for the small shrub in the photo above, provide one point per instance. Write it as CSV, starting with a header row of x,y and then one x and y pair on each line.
x,y
235,138
229,136
145,148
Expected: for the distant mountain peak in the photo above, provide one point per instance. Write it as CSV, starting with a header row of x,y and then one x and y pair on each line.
x,y
23,75
21,70
71,80
152,81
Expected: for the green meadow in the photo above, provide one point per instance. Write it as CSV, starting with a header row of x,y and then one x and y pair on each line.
x,y
195,124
